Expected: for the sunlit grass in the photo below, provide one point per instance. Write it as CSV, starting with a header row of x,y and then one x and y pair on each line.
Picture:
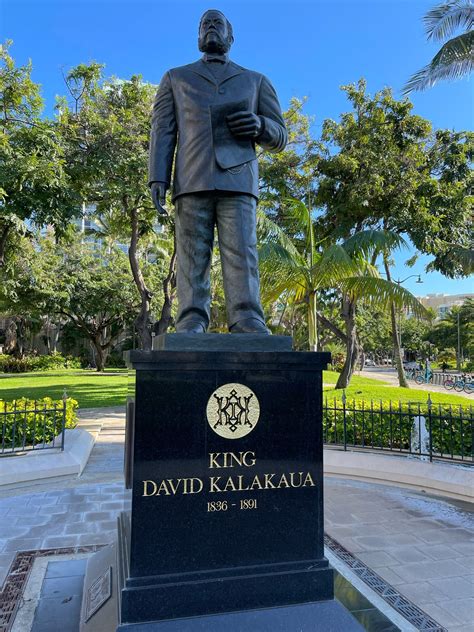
x,y
98,390
89,388
367,389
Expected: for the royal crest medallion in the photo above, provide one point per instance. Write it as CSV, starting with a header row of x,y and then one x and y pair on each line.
x,y
233,411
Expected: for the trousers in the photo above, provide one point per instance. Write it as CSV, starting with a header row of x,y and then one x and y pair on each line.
x,y
235,217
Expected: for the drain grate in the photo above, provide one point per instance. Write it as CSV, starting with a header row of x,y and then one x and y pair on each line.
x,y
15,582
414,615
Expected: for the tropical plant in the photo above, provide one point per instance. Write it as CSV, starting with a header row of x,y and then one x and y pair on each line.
x,y
455,59
295,270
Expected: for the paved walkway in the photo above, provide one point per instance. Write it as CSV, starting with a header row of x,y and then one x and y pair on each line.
x,y
389,375
421,545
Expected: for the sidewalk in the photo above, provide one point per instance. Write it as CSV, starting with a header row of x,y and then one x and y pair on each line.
x,y
420,545
389,375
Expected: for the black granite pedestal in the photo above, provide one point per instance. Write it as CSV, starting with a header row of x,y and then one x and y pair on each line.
x,y
226,529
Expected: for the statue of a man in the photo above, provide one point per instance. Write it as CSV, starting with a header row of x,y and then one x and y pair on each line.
x,y
213,112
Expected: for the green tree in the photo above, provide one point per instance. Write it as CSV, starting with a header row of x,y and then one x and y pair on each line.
x,y
414,332
374,330
294,276
34,185
456,330
106,129
455,59
383,169
85,284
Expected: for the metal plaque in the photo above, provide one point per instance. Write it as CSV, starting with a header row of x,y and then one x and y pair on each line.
x,y
99,592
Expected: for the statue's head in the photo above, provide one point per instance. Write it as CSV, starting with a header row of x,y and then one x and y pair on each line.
x,y
215,33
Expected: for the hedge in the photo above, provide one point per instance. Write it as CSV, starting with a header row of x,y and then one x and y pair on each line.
x,y
56,361
33,421
388,425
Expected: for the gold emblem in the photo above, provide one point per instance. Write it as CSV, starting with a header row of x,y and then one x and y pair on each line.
x,y
233,411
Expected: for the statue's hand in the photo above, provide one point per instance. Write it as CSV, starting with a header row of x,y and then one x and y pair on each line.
x,y
244,124
158,194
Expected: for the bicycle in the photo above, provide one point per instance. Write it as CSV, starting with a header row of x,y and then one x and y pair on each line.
x,y
459,383
422,379
464,383
469,388
449,383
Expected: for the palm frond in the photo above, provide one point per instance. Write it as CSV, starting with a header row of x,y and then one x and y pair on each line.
x,y
444,19
298,213
453,61
333,265
271,232
382,293
368,242
275,254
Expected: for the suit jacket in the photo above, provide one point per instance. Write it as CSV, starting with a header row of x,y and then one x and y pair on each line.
x,y
182,120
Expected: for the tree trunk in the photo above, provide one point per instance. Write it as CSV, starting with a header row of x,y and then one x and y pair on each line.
x,y
3,243
101,352
324,322
352,344
169,285
312,322
142,321
10,337
397,352
21,335
55,338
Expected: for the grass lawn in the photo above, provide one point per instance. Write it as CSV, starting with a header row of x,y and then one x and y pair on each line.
x,y
96,390
89,388
367,388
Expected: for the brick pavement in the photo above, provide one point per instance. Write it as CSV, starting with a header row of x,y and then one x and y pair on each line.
x,y
421,545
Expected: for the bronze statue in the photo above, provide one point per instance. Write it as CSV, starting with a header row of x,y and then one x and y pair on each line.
x,y
213,112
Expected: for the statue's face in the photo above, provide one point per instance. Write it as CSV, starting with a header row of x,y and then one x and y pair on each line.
x,y
213,33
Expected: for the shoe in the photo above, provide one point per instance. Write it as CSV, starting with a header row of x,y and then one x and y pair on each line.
x,y
192,327
249,326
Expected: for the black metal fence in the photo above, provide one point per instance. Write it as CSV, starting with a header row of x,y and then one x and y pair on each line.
x,y
431,431
27,426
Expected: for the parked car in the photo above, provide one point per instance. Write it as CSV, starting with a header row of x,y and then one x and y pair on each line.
x,y
369,362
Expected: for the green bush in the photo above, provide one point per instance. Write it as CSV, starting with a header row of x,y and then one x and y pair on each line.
x,y
382,425
115,360
337,361
54,362
26,422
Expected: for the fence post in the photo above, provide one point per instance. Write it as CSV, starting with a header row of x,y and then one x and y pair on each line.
x,y
344,399
64,420
430,427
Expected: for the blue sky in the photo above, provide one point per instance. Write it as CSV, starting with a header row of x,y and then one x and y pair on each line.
x,y
307,48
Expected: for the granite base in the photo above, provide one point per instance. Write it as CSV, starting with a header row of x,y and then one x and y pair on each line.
x,y
324,616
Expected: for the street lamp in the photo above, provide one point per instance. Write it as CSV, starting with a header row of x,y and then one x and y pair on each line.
x,y
399,282
419,280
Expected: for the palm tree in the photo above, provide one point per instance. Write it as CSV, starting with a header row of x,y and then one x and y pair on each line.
x,y
455,59
298,268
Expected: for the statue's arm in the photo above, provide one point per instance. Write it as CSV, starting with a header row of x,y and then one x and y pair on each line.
x,y
163,134
273,136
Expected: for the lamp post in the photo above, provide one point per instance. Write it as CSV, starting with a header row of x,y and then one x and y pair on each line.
x,y
399,282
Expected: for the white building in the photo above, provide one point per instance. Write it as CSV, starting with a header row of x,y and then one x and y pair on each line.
x,y
442,303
